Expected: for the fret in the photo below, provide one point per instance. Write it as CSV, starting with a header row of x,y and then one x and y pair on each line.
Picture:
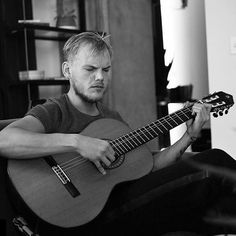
x,y
126,147
179,117
184,114
135,131
118,144
165,119
163,125
189,112
145,132
148,132
129,141
155,133
142,135
136,137
156,127
132,139
116,147
174,120
123,144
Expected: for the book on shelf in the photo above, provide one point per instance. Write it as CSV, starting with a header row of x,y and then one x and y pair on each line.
x,y
33,22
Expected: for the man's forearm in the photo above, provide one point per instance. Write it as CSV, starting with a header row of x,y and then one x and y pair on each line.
x,y
172,153
19,143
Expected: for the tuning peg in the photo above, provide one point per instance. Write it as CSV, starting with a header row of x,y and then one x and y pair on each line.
x,y
215,114
221,113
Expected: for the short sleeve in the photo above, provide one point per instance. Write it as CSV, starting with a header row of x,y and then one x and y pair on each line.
x,y
48,114
110,113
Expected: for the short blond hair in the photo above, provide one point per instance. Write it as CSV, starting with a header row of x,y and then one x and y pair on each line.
x,y
99,43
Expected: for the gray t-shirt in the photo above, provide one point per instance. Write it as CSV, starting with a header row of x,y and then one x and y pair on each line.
x,y
59,115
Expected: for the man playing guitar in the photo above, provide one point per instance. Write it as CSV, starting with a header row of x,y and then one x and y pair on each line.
x,y
57,127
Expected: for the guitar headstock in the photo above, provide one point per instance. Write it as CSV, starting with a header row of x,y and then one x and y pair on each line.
x,y
221,102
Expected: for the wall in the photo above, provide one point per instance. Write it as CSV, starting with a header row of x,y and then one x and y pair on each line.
x,y
133,81
184,38
220,28
185,41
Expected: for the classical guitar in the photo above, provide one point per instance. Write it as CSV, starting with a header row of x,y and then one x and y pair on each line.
x,y
67,190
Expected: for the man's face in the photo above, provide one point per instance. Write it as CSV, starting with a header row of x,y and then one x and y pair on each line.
x,y
90,74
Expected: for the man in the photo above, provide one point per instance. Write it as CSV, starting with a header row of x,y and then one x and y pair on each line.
x,y
43,131
55,127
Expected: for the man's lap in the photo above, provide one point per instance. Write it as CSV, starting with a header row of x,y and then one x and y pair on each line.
x,y
175,197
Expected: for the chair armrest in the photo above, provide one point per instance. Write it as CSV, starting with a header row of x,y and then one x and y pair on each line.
x,y
185,154
188,154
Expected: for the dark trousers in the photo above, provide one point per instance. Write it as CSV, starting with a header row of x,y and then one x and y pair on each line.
x,y
175,198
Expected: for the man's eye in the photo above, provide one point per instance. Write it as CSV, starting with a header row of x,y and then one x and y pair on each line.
x,y
106,70
90,69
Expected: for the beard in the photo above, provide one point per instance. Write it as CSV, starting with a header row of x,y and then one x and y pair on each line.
x,y
85,97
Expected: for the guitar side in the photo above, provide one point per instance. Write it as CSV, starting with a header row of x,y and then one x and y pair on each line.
x,y
45,194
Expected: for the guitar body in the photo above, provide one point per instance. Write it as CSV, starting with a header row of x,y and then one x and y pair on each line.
x,y
44,193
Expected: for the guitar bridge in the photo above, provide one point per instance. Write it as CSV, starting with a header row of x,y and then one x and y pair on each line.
x,y
62,176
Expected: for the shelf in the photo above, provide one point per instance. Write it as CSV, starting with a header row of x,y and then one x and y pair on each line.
x,y
43,82
44,32
22,26
21,43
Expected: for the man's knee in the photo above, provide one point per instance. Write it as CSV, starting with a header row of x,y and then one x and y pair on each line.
x,y
214,156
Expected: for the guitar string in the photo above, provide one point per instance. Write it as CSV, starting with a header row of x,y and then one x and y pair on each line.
x,y
80,164
123,139
74,160
82,161
120,141
78,159
147,129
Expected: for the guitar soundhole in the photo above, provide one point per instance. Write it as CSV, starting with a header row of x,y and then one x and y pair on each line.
x,y
118,162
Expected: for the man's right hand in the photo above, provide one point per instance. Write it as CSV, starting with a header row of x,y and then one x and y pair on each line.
x,y
96,150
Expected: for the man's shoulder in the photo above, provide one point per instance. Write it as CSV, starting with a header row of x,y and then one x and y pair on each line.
x,y
54,104
50,113
57,100
108,112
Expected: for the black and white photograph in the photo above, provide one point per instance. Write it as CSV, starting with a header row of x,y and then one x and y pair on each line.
x,y
117,117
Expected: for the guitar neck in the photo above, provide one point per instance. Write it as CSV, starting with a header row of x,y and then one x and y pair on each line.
x,y
145,134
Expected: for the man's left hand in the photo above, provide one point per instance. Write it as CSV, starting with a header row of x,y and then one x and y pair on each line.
x,y
202,115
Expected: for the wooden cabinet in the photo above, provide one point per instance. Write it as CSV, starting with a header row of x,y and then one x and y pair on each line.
x,y
19,53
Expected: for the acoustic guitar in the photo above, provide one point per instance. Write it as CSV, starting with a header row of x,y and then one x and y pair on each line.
x,y
67,190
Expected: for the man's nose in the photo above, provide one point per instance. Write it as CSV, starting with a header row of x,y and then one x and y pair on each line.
x,y
99,75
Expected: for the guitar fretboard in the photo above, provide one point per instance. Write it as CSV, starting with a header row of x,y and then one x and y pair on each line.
x,y
142,135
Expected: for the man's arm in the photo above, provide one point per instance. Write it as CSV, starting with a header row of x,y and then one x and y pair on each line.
x,y
194,126
26,138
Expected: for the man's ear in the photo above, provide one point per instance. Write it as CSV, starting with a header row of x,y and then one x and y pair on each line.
x,y
66,69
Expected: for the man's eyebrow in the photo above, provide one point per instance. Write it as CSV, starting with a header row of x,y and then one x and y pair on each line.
x,y
94,67
90,66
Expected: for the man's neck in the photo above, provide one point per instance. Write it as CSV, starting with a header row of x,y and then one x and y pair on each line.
x,y
84,107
